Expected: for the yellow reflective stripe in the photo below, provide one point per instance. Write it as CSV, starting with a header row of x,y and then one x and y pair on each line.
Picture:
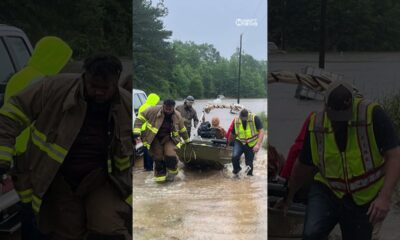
x,y
128,200
183,130
179,145
15,114
137,130
122,163
151,128
175,133
54,151
160,179
26,195
6,153
172,171
146,144
187,140
109,166
142,118
36,203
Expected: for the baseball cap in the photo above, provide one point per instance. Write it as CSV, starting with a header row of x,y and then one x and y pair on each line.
x,y
339,99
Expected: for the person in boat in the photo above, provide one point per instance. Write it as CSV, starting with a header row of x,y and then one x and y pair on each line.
x,y
218,130
247,135
352,147
188,113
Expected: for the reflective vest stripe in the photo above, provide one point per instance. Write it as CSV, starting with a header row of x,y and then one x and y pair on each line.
x,y
15,114
6,153
357,183
319,135
362,136
54,151
25,195
248,136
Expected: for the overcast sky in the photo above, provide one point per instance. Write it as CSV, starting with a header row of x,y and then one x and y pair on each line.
x,y
220,22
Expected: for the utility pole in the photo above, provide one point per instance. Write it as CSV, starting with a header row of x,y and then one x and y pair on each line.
x,y
322,35
240,65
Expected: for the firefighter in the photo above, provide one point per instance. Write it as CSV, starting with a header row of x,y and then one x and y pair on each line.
x,y
79,151
165,132
188,113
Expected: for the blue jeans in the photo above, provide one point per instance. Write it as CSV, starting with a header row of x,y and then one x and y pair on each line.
x,y
325,210
238,150
29,228
147,160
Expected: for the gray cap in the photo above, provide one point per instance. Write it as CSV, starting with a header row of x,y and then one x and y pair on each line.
x,y
339,99
190,98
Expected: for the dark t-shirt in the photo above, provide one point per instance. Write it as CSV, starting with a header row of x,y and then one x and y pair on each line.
x,y
89,150
166,127
385,136
257,121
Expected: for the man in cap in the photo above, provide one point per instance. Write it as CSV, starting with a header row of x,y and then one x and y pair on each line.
x,y
188,113
352,147
247,135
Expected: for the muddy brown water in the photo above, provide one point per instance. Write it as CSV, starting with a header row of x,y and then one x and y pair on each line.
x,y
204,204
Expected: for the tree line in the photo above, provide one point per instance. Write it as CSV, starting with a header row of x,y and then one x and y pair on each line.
x,y
367,25
88,26
177,69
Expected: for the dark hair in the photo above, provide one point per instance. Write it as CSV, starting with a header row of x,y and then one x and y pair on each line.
x,y
103,64
169,102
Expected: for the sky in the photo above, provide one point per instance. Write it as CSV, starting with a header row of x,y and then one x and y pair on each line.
x,y
220,23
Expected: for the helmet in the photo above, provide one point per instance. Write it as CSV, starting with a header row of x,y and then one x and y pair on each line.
x,y
190,99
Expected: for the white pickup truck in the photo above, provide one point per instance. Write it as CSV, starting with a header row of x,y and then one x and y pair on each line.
x,y
15,50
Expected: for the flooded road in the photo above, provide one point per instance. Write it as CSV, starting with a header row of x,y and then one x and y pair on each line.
x,y
204,204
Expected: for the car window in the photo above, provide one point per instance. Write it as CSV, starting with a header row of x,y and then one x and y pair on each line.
x,y
142,97
6,66
136,102
20,51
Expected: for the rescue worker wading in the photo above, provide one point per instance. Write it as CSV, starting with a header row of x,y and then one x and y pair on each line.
x,y
79,152
188,113
164,133
353,147
247,134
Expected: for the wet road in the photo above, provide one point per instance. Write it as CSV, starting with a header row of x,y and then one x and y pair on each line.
x,y
204,204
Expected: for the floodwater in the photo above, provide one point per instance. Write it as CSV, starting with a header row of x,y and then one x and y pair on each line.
x,y
376,75
204,204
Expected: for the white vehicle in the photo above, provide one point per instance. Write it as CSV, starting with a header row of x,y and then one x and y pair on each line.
x,y
139,98
15,50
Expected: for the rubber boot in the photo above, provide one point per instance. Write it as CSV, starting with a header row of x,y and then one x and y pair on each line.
x,y
160,172
172,168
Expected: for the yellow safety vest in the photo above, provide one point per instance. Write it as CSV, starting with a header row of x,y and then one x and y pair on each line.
x,y
248,136
358,170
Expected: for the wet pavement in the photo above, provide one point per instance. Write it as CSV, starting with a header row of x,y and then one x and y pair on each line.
x,y
204,204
